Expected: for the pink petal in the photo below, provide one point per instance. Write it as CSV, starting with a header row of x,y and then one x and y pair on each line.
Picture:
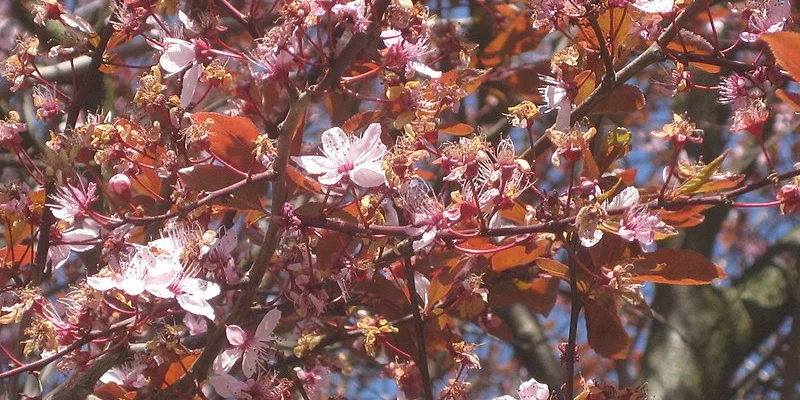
x,y
227,386
331,178
268,324
249,363
225,360
236,335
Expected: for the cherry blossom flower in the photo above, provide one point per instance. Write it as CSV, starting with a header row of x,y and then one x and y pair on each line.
x,y
72,201
766,17
427,214
178,56
354,13
10,130
128,374
360,159
654,6
529,390
401,52
169,280
127,275
76,239
250,347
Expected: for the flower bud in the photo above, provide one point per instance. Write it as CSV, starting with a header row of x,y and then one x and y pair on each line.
x,y
120,184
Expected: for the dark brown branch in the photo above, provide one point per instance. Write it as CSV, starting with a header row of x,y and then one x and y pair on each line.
x,y
419,325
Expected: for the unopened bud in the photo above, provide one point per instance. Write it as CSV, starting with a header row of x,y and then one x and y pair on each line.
x,y
120,184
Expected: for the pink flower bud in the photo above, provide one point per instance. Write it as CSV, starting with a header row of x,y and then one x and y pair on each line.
x,y
120,184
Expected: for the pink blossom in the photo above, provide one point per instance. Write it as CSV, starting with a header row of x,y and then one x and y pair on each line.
x,y
72,201
360,159
10,130
78,239
353,13
250,347
403,53
770,16
178,56
129,374
640,224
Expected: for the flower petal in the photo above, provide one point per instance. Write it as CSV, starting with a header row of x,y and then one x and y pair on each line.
x,y
315,165
236,335
178,55
268,324
190,81
368,175
335,145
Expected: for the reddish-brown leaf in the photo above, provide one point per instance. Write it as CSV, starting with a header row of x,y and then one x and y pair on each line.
x,y
604,329
176,369
112,391
692,43
232,140
439,288
623,99
508,258
517,36
456,129
209,178
361,120
676,267
553,268
17,256
784,48
790,98
539,295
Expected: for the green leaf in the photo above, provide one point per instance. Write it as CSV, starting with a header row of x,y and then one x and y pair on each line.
x,y
614,146
696,182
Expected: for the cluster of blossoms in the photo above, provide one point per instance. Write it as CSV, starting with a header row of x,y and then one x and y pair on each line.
x,y
189,215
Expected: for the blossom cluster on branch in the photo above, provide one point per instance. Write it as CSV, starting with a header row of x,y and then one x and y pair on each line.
x,y
270,195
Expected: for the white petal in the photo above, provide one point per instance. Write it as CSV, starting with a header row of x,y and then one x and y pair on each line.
x,y
178,55
58,255
330,178
654,6
132,285
226,359
315,165
101,283
335,145
190,80
368,175
79,235
426,71
196,305
591,241
367,142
